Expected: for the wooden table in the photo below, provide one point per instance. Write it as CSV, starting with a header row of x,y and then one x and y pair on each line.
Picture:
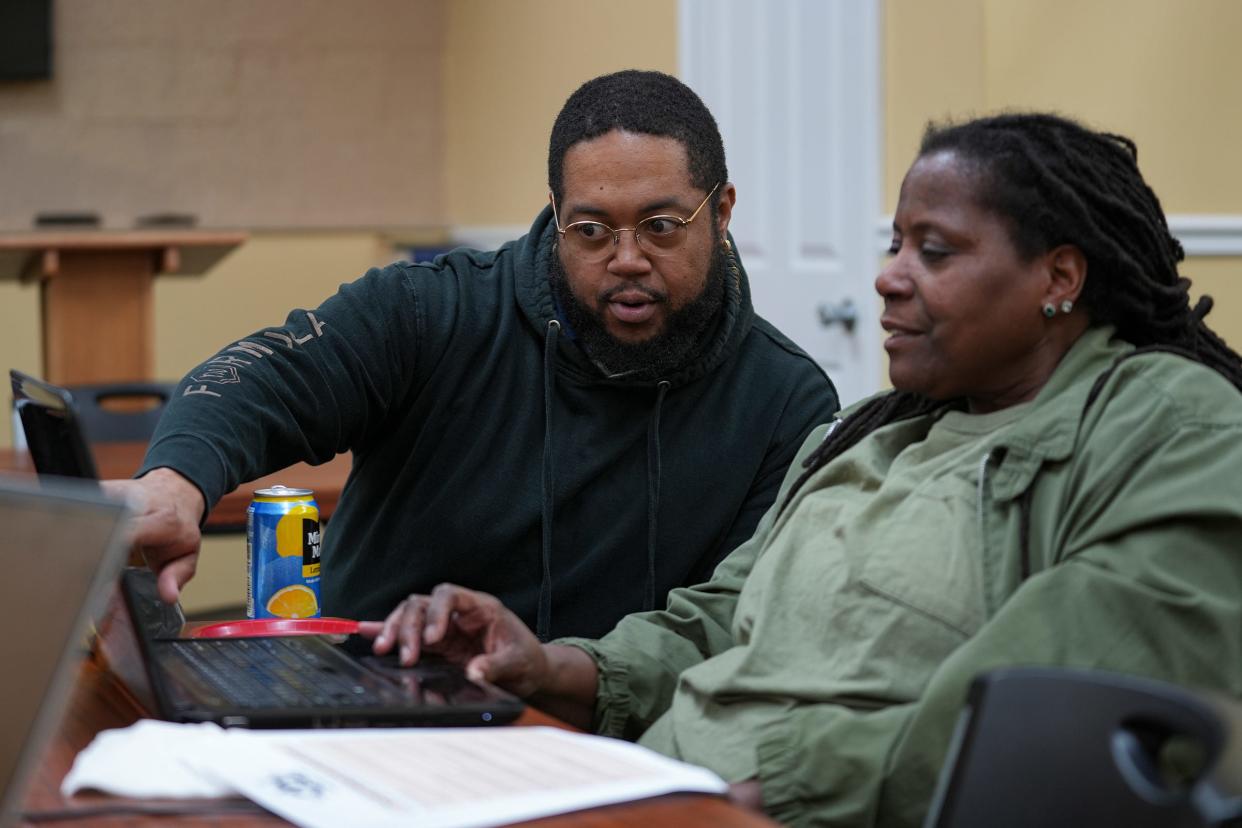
x,y
99,702
121,460
97,289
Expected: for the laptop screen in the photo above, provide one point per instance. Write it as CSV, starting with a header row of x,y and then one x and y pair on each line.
x,y
60,547
52,431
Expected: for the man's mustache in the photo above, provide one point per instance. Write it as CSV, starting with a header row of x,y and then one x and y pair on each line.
x,y
633,287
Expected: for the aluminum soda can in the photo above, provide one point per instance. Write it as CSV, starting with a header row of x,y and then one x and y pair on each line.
x,y
282,554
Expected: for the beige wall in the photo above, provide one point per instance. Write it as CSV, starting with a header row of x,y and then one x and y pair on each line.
x,y
934,68
255,286
508,68
1220,278
302,114
247,113
1163,73
19,337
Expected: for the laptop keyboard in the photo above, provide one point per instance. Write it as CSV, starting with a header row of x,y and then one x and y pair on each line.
x,y
272,673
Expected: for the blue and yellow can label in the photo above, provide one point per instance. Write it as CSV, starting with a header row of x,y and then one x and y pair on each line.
x,y
282,554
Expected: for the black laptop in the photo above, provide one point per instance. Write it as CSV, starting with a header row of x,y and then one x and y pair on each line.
x,y
280,681
269,681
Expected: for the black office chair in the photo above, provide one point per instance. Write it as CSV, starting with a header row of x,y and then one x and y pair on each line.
x,y
116,412
1065,748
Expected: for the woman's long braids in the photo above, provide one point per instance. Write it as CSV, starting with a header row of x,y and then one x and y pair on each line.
x,y
1057,182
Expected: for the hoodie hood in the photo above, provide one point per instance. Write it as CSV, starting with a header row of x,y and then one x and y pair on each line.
x,y
532,256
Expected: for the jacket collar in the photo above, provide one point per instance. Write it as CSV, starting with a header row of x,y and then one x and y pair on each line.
x,y
530,257
1049,431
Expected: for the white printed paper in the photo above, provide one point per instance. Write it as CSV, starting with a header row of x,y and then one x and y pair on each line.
x,y
432,777
145,760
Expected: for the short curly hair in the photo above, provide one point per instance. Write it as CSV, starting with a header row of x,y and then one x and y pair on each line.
x,y
651,103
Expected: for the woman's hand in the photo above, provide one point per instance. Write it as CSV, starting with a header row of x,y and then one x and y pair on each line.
x,y
472,629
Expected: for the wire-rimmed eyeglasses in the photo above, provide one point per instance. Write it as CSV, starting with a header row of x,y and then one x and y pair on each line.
x,y
656,235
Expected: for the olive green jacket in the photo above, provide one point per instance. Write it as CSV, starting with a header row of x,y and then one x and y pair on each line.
x,y
1133,564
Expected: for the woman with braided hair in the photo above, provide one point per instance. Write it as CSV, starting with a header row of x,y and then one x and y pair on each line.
x,y
1055,480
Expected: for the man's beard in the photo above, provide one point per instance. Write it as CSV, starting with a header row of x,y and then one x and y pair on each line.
x,y
658,355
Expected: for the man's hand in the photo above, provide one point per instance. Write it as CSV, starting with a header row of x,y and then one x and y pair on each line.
x,y
472,629
167,510
748,794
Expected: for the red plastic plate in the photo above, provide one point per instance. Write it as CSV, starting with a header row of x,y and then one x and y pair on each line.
x,y
251,627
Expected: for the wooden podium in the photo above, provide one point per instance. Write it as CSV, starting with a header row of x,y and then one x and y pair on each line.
x,y
96,293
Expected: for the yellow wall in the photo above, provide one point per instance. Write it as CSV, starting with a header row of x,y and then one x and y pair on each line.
x,y
1220,278
253,287
934,68
19,338
1163,73
508,68
249,113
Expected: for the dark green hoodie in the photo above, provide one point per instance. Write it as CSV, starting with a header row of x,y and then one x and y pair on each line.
x,y
489,452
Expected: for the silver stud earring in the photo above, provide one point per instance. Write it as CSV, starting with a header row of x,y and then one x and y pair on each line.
x,y
1049,310
1067,306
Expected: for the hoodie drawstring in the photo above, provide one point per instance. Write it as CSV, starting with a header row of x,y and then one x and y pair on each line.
x,y
653,493
543,624
543,627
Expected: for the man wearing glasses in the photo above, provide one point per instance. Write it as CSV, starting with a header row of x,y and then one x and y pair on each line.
x,y
576,422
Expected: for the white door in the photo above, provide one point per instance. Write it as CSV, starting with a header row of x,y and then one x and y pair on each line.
x,y
795,87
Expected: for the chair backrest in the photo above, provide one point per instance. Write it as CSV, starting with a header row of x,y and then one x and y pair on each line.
x,y
120,411
1043,747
